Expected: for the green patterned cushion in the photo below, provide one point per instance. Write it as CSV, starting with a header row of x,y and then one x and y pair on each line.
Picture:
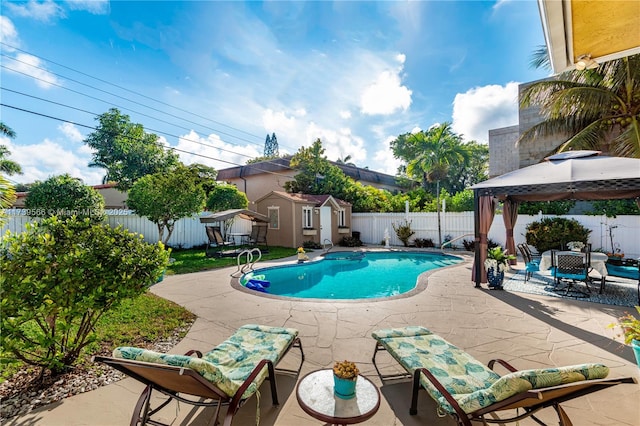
x,y
472,384
458,371
524,380
230,363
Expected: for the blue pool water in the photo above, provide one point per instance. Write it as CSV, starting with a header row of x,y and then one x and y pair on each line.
x,y
350,275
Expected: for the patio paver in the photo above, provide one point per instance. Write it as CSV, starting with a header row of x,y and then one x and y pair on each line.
x,y
526,330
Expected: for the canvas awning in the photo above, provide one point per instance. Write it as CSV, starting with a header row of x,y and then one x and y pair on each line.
x,y
229,214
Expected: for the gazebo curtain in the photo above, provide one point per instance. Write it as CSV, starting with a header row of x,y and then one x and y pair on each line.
x,y
510,216
487,209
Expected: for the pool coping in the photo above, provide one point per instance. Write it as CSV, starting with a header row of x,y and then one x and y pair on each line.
x,y
422,281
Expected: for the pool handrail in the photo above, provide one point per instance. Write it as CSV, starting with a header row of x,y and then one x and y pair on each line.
x,y
248,266
455,239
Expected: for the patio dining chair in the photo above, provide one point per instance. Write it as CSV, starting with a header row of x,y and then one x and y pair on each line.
x,y
571,268
215,240
531,265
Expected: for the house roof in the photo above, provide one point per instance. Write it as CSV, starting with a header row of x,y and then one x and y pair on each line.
x,y
282,164
316,200
605,30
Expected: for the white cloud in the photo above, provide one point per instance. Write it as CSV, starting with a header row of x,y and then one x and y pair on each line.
x,y
385,96
33,67
499,4
213,151
8,33
273,121
338,143
480,109
42,11
385,158
345,114
48,158
71,132
96,7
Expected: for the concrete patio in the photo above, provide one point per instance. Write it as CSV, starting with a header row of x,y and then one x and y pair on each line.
x,y
526,330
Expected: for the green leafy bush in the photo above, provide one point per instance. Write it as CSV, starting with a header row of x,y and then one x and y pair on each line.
x,y
64,196
59,277
555,233
470,245
350,242
310,244
403,231
546,207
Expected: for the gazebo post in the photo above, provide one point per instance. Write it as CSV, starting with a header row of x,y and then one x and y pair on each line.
x,y
476,228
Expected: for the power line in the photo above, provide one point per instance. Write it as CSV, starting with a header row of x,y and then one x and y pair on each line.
x,y
152,130
120,97
138,139
130,91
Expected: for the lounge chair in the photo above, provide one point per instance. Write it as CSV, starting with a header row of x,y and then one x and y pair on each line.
x,y
258,235
228,374
468,391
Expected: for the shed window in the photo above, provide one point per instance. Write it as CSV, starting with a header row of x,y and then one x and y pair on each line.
x,y
342,221
274,217
307,217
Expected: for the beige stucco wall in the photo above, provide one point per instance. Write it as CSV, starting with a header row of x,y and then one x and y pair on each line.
x,y
290,232
256,186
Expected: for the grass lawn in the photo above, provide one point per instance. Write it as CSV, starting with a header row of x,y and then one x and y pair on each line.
x,y
194,260
135,322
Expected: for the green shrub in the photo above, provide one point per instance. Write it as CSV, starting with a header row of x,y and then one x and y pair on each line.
x,y
470,245
64,196
403,231
349,242
59,277
555,233
310,244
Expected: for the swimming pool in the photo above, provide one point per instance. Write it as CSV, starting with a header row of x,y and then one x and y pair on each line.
x,y
349,275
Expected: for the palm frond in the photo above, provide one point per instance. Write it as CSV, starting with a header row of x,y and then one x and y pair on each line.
x,y
627,143
591,137
540,58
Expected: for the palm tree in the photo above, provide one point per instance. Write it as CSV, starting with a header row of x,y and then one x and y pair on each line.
x,y
8,167
598,108
345,161
437,150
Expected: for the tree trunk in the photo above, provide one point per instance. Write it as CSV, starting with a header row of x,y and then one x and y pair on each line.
x,y
438,210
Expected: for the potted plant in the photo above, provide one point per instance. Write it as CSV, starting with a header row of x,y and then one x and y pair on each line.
x,y
575,245
496,263
630,327
345,377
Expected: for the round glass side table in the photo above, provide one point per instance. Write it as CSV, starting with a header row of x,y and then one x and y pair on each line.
x,y
316,398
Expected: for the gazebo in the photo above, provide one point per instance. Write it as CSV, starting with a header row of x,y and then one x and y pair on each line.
x,y
572,175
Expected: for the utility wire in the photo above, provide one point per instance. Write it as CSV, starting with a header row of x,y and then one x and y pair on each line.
x,y
138,139
126,89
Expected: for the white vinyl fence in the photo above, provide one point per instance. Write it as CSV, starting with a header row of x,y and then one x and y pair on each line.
x,y
190,232
372,226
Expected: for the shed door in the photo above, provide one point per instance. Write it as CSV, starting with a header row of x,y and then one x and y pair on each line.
x,y
325,224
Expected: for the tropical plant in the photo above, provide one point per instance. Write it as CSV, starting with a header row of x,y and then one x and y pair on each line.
x,y
7,198
8,167
126,151
64,195
590,109
165,197
629,325
554,233
498,258
546,207
403,231
59,277
429,155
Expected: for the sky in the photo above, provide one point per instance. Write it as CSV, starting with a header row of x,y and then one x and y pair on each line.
x,y
213,78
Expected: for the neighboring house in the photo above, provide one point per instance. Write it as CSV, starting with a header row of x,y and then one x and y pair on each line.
x,y
113,198
504,155
296,218
258,179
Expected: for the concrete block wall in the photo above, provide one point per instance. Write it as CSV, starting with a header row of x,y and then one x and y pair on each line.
x,y
503,154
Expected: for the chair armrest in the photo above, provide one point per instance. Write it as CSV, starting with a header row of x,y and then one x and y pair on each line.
x,y
194,351
436,383
502,362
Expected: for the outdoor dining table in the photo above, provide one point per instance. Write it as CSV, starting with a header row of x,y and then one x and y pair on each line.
x,y
598,263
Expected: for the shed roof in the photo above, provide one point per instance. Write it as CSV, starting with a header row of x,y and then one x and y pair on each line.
x,y
228,214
